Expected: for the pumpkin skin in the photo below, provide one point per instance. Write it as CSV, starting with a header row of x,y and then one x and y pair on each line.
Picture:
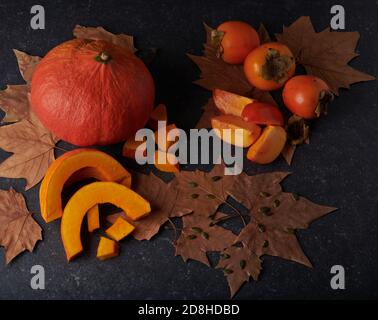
x,y
87,100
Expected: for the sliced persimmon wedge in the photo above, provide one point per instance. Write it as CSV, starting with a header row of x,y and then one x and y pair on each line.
x,y
234,130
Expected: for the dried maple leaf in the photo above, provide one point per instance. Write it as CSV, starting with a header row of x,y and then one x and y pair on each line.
x,y
32,147
209,111
325,54
31,144
275,215
203,192
238,265
247,189
266,239
263,34
164,205
14,101
200,236
99,33
196,196
215,73
18,230
26,64
191,191
288,153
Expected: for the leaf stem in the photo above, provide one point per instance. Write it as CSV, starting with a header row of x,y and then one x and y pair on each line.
x,y
173,227
225,202
61,149
229,217
238,212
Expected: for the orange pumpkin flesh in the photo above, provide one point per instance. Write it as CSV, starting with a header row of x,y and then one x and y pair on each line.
x,y
93,218
80,164
92,92
107,249
87,197
120,229
164,161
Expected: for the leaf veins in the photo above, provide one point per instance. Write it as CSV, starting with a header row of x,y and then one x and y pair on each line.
x,y
32,147
325,54
18,230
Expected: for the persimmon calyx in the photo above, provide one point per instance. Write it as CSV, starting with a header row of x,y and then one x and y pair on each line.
x,y
276,66
298,130
216,41
325,97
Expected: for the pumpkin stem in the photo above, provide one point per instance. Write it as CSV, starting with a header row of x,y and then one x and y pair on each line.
x,y
103,57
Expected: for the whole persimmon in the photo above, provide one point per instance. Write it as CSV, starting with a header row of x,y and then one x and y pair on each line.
x,y
238,39
269,66
307,96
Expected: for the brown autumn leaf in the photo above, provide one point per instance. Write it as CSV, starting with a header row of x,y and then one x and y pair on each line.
x,y
14,102
203,192
288,153
215,73
196,197
164,205
325,54
246,190
275,216
263,34
18,230
209,111
268,240
191,191
32,147
26,64
238,265
99,33
200,236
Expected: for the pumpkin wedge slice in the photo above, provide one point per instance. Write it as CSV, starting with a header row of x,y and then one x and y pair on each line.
x,y
86,198
120,229
73,166
93,218
107,249
164,161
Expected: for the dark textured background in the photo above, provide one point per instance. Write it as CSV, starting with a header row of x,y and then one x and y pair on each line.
x,y
339,168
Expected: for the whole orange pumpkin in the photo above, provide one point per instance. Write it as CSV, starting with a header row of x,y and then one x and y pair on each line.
x,y
92,92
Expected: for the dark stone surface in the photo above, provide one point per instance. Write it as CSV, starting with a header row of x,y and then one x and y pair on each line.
x,y
339,168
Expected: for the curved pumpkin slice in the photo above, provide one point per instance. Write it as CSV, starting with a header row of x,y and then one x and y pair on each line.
x,y
76,165
87,197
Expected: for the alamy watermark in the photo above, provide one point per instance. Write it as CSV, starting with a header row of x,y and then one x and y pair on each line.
x,y
338,280
37,22
37,282
338,18
202,144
